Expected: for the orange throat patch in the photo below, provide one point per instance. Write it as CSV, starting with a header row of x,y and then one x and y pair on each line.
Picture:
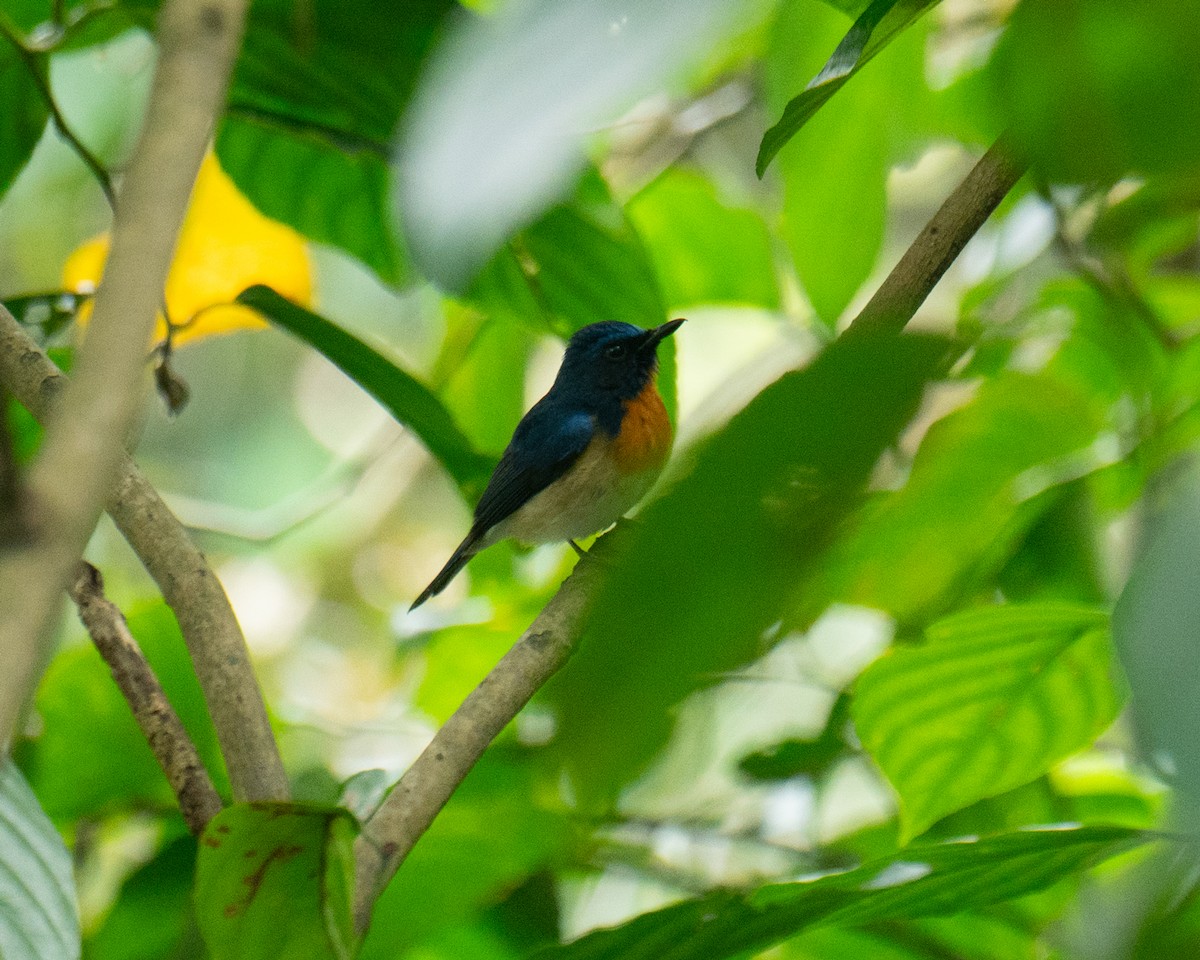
x,y
645,437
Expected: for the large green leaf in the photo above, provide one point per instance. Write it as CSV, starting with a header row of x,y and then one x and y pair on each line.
x,y
330,194
992,699
1096,89
38,916
405,397
23,113
274,882
968,497
704,249
874,29
835,171
315,98
581,262
920,881
709,567
499,129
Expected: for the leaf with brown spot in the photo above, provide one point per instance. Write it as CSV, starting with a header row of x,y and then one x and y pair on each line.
x,y
277,884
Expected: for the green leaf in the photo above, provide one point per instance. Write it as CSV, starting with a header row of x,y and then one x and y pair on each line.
x,y
872,31
328,194
581,262
38,916
920,881
708,568
970,494
315,99
992,700
499,130
274,882
405,397
1097,89
153,913
23,113
704,250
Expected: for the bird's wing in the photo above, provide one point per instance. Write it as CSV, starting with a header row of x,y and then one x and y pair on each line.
x,y
544,446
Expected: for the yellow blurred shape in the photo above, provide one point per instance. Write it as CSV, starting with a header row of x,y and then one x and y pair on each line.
x,y
225,246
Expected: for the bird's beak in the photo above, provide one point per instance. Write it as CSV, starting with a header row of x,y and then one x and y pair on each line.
x,y
658,334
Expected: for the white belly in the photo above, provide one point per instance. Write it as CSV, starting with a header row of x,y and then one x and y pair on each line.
x,y
592,495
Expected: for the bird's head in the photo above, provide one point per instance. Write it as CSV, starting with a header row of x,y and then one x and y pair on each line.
x,y
612,360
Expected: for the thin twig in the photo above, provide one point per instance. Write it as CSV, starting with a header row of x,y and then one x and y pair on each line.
x,y
157,719
207,621
34,63
74,472
389,834
936,247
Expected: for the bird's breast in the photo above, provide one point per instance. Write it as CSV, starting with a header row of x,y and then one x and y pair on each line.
x,y
644,439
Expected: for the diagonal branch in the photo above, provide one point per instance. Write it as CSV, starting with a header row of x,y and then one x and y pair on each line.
x,y
939,244
392,831
157,719
82,453
191,589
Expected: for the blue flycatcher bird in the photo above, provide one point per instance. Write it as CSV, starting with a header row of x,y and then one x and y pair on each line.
x,y
584,454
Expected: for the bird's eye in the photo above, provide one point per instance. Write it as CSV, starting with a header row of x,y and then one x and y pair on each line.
x,y
614,352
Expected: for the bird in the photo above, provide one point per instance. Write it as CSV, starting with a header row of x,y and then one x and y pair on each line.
x,y
584,454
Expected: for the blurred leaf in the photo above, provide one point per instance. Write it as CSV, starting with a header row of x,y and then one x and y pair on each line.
x,y
485,405
993,698
922,880
813,758
963,937
316,95
48,313
969,495
875,28
499,128
581,262
225,245
835,173
80,706
327,194
704,250
153,915
275,880
491,836
1154,624
38,916
1096,89
708,568
23,113
1161,198
406,398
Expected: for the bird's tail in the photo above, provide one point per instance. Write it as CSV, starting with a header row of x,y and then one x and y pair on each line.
x,y
466,550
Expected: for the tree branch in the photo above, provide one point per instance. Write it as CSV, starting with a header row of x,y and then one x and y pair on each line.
x,y
73,475
390,833
206,619
157,719
936,247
